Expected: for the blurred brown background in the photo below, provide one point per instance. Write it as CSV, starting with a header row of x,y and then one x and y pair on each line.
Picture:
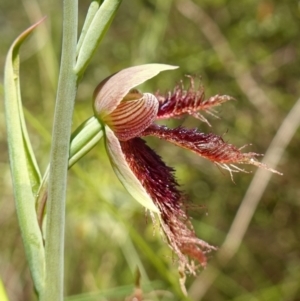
x,y
247,49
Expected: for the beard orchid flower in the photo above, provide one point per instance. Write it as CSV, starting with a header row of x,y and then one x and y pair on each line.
x,y
127,115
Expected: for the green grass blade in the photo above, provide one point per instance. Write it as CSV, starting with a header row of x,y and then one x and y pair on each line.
x,y
95,33
25,175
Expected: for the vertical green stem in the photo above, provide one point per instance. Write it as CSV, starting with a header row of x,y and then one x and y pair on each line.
x,y
59,157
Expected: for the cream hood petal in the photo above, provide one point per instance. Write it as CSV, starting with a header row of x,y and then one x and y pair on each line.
x,y
110,92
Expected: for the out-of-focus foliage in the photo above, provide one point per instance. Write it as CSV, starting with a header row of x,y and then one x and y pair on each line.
x,y
107,234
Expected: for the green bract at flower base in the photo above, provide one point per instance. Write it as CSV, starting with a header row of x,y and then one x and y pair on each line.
x,y
126,115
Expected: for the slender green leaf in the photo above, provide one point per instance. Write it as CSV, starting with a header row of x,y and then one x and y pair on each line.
x,y
95,33
82,141
33,169
94,6
25,175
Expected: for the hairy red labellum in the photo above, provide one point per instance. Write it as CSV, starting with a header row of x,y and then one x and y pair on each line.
x,y
181,102
159,181
209,146
127,115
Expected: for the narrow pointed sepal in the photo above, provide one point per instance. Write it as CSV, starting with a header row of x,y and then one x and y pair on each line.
x,y
124,171
159,182
209,146
132,117
183,102
111,91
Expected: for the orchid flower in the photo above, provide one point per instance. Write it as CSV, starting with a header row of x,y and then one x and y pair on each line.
x,y
126,115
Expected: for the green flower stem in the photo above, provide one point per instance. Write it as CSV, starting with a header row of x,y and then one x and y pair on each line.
x,y
66,93
82,141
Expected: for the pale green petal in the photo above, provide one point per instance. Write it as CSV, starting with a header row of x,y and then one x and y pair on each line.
x,y
113,89
124,173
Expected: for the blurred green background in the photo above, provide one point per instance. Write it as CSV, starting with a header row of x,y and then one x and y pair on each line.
x,y
247,49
